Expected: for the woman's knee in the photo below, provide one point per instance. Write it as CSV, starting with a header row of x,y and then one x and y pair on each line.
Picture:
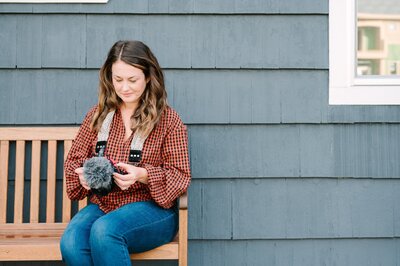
x,y
71,244
103,234
66,244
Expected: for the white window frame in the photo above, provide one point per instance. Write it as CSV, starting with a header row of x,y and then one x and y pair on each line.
x,y
53,1
345,88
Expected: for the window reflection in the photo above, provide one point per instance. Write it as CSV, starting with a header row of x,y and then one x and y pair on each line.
x,y
378,37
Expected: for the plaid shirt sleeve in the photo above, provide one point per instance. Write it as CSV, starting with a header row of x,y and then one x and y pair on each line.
x,y
81,150
170,180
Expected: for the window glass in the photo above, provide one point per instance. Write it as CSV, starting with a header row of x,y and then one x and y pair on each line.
x,y
378,37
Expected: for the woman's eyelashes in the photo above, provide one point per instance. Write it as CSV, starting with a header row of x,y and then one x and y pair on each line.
x,y
120,80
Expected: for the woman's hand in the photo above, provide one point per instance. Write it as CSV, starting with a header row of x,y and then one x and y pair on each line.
x,y
82,180
133,174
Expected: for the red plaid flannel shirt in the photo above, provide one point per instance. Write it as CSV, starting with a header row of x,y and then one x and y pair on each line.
x,y
164,155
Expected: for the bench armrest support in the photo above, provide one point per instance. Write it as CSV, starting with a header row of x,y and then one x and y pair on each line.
x,y
183,201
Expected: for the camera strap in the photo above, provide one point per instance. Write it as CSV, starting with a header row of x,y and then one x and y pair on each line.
x,y
135,154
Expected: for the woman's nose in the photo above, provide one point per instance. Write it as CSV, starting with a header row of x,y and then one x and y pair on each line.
x,y
125,86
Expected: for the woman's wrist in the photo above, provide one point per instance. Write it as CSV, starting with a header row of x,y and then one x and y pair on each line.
x,y
143,175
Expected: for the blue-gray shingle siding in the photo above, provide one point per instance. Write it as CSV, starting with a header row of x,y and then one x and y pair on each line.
x,y
279,176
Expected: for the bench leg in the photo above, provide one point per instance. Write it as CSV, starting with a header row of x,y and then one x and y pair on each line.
x,y
183,236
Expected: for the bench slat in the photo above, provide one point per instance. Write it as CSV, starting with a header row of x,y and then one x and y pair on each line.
x,y
4,148
49,229
36,239
19,181
49,249
38,133
66,211
29,229
51,181
25,251
166,252
35,182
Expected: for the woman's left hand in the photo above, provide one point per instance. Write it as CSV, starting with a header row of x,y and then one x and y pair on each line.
x,y
133,174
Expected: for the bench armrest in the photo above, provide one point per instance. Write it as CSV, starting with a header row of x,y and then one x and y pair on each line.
x,y
183,201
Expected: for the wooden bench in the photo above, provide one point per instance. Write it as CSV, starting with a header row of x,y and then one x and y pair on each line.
x,y
29,238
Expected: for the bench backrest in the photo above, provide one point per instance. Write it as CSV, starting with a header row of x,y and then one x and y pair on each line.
x,y
35,138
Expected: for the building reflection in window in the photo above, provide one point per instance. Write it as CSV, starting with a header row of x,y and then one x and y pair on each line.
x,y
378,37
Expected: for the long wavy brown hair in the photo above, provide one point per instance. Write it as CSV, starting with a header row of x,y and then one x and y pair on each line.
x,y
154,98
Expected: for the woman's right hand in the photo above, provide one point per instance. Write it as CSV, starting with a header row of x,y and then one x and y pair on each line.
x,y
82,180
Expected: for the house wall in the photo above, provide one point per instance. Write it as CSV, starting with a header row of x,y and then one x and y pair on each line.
x,y
279,176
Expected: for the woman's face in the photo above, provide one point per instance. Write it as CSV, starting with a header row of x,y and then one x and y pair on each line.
x,y
129,82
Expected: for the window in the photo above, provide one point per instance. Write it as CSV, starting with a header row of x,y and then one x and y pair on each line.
x,y
364,52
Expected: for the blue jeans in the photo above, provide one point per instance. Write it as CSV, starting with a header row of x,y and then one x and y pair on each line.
x,y
95,238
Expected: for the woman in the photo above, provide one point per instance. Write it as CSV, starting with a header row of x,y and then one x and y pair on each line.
x,y
139,213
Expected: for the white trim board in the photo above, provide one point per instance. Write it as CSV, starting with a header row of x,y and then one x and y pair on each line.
x,y
54,1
